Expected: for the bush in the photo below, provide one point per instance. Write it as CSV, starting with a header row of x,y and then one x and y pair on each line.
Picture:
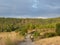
x,y
47,35
31,26
58,28
23,30
36,35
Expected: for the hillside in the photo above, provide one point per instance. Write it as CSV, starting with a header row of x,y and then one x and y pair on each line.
x,y
49,41
15,30
12,24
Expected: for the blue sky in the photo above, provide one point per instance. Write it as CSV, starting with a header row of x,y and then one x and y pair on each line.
x,y
29,8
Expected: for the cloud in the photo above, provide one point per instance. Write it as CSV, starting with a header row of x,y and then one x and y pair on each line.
x,y
29,8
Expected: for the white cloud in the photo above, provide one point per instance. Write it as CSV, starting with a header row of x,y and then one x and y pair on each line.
x,y
42,17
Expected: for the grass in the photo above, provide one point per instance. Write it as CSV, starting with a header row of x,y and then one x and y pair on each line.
x,y
10,38
49,41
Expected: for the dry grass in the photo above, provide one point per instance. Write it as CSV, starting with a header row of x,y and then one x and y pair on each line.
x,y
49,41
9,37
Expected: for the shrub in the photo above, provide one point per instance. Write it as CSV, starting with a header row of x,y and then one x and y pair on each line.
x,y
36,35
58,28
23,30
31,26
47,35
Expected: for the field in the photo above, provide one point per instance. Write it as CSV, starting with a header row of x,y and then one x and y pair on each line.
x,y
10,38
42,31
49,41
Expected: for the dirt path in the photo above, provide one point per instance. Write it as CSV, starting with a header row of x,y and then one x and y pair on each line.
x,y
27,41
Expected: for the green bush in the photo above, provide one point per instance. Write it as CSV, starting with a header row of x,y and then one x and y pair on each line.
x,y
30,26
58,28
23,30
47,35
36,35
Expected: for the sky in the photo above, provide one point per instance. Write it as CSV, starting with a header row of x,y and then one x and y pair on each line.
x,y
30,8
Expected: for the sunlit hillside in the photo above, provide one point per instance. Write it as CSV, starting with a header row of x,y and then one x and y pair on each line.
x,y
15,30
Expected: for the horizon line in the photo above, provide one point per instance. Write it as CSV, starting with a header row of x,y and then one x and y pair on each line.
x,y
29,17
